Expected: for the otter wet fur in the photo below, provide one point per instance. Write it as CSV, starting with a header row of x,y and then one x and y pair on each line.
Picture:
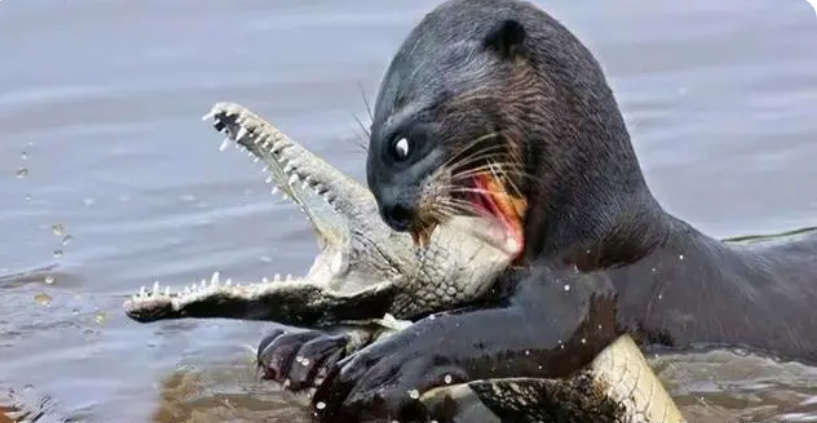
x,y
492,108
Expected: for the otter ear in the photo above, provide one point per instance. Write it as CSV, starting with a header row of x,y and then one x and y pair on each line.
x,y
505,38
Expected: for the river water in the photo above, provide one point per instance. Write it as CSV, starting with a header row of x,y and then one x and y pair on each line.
x,y
109,180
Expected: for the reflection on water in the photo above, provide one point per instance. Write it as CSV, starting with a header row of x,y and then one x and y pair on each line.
x,y
108,180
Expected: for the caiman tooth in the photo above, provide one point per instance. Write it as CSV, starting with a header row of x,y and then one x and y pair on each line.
x,y
242,131
264,280
210,115
156,288
228,282
143,292
167,291
214,278
289,277
277,277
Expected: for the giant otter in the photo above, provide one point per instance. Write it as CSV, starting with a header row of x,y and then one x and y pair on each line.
x,y
493,108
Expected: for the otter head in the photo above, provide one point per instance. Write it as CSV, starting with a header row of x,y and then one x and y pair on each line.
x,y
441,144
493,109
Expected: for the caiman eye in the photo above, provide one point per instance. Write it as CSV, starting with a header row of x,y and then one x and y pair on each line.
x,y
401,148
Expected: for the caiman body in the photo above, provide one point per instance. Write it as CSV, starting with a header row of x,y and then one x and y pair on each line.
x,y
364,270
366,275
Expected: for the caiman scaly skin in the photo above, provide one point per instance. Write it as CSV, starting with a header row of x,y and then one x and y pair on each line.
x,y
619,386
364,269
362,260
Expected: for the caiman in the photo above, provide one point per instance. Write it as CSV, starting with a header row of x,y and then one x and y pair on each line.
x,y
369,281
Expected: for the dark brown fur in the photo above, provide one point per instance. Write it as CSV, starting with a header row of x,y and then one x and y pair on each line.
x,y
589,205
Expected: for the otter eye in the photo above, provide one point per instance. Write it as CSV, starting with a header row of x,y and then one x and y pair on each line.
x,y
401,149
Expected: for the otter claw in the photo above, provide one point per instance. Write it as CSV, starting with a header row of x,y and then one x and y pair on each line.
x,y
299,360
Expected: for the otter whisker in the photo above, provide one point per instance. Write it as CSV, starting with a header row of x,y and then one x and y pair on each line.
x,y
511,172
456,156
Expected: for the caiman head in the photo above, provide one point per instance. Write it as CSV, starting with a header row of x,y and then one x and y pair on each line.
x,y
356,248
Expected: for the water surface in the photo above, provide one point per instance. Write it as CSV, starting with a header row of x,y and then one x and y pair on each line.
x,y
109,180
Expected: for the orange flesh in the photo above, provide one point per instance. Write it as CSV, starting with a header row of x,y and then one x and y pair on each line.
x,y
493,200
503,206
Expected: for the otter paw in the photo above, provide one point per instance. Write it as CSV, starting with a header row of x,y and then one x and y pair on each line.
x,y
297,359
384,381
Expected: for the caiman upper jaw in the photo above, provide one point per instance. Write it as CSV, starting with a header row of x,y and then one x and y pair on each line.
x,y
333,202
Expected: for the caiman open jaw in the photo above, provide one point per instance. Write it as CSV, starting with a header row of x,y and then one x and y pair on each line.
x,y
360,257
342,212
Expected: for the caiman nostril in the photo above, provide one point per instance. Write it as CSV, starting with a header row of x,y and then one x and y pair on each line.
x,y
398,217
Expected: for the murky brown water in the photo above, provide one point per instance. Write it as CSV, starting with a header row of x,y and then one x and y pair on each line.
x,y
99,108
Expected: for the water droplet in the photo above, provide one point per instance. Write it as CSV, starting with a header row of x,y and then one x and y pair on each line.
x,y
88,202
584,341
28,197
49,280
66,239
75,312
58,229
22,172
414,394
567,287
58,253
24,155
305,361
320,405
660,296
527,353
448,379
680,257
43,299
99,318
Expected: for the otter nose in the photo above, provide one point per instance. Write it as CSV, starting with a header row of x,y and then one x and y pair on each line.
x,y
397,216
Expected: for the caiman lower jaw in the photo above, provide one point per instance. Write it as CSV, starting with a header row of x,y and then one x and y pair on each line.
x,y
161,302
